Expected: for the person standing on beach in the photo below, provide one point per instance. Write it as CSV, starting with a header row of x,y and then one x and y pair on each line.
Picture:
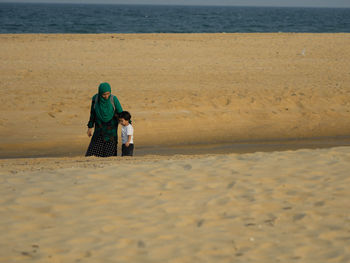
x,y
105,108
127,134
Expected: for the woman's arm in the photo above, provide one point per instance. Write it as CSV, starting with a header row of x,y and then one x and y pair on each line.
x,y
92,119
118,107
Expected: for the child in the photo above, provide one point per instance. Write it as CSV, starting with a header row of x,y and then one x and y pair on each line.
x,y
127,133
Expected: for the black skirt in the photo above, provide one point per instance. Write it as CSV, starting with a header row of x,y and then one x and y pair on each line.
x,y
99,147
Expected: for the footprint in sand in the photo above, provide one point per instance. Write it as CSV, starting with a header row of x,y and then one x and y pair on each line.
x,y
298,217
230,185
187,167
320,203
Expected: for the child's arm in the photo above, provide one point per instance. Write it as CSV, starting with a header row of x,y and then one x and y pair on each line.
x,y
128,142
130,132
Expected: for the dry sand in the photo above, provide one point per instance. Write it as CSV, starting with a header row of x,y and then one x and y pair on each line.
x,y
180,88
290,206
211,90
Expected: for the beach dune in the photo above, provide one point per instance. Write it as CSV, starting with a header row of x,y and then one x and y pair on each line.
x,y
180,88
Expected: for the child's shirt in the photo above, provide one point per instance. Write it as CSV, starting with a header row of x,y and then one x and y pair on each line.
x,y
126,131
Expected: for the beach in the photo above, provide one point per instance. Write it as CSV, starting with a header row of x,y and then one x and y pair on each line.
x,y
235,157
181,89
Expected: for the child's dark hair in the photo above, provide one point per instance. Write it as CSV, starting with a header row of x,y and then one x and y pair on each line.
x,y
125,115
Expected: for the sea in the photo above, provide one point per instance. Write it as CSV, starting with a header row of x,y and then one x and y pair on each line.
x,y
101,18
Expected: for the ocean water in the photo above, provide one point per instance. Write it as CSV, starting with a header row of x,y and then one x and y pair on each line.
x,y
79,18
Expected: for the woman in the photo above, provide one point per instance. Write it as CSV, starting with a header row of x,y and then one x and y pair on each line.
x,y
104,117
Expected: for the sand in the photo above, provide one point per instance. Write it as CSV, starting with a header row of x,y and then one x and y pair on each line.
x,y
188,94
181,89
290,206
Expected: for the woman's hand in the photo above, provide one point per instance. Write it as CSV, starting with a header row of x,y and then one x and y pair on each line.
x,y
127,144
89,132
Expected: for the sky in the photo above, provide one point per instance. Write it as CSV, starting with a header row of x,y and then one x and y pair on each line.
x,y
302,3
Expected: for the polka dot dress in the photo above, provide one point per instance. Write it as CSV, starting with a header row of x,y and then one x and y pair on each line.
x,y
98,147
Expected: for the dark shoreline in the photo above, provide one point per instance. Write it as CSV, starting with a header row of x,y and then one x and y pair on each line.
x,y
239,147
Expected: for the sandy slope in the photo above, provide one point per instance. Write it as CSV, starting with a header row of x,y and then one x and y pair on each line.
x,y
290,206
180,88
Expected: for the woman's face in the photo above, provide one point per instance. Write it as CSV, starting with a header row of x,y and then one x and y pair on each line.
x,y
106,95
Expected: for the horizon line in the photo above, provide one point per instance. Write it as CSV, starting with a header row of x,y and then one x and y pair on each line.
x,y
165,4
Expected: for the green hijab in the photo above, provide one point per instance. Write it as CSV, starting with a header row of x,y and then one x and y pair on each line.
x,y
104,108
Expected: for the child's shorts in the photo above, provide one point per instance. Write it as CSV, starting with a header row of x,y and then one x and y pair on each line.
x,y
128,151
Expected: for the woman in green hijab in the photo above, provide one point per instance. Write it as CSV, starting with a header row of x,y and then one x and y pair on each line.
x,y
104,117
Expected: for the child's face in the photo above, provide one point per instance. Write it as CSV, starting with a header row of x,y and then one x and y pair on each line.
x,y
123,122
